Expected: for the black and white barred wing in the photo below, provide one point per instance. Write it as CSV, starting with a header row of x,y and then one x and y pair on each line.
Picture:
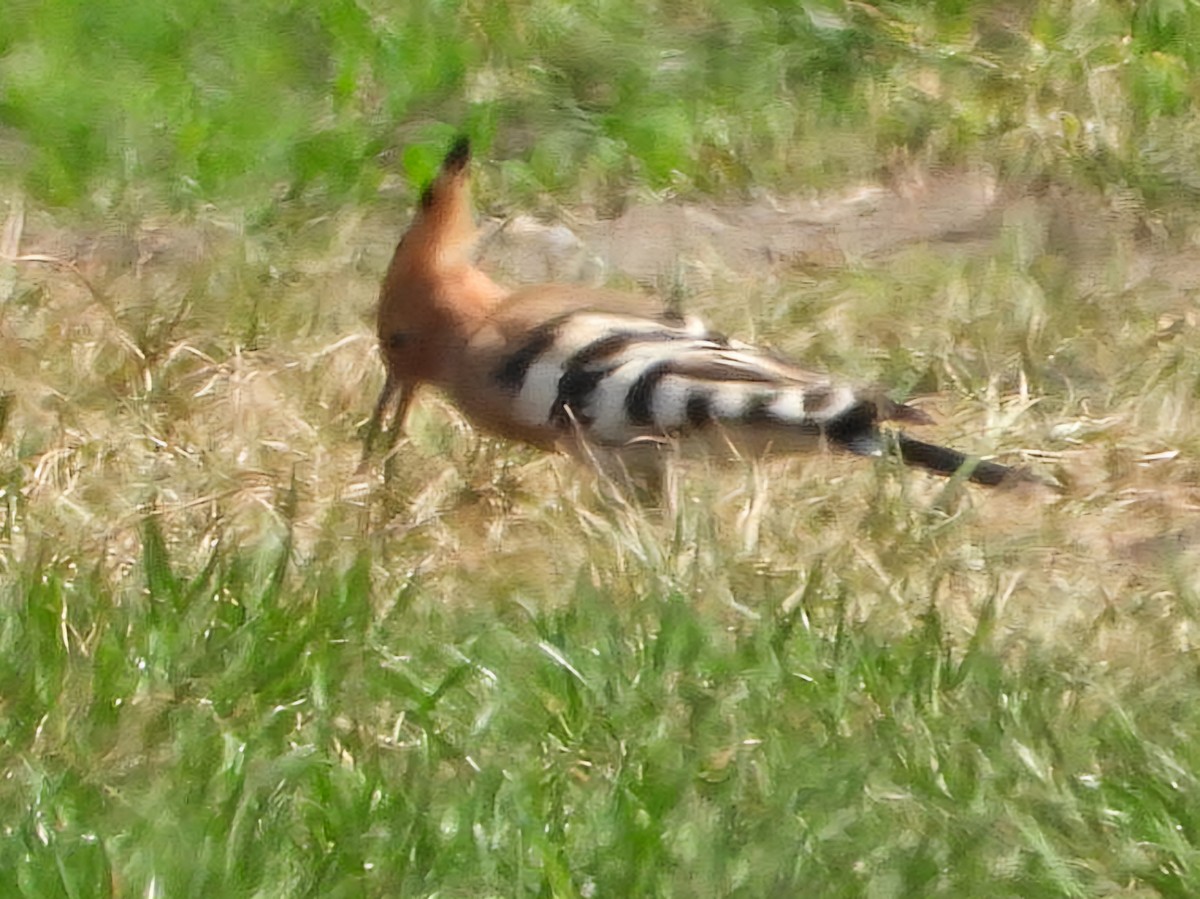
x,y
617,378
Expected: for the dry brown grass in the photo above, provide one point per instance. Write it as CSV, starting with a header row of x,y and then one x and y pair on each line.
x,y
137,388
190,382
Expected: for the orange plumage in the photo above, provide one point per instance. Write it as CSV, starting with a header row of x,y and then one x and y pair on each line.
x,y
574,368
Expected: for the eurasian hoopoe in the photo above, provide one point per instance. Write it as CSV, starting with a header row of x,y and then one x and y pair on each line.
x,y
580,369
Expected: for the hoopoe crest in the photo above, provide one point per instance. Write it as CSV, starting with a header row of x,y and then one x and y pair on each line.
x,y
582,369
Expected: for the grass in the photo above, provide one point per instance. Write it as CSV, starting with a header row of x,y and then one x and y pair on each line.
x,y
232,665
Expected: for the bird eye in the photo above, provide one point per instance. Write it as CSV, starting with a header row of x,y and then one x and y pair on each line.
x,y
396,340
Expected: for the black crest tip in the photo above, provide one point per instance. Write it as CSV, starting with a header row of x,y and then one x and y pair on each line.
x,y
459,155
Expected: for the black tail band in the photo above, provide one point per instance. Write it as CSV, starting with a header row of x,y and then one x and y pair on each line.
x,y
947,461
856,430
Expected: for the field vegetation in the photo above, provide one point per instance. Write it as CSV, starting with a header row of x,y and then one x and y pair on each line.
x,y
233,663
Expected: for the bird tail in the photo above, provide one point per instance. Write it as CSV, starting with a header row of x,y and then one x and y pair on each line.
x,y
856,430
943,460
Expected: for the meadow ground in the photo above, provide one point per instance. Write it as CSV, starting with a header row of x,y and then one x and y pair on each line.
x,y
233,664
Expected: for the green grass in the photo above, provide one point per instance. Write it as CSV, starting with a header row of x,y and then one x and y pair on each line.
x,y
274,103
668,721
232,665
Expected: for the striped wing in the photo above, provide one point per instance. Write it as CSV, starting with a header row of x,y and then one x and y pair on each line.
x,y
618,378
